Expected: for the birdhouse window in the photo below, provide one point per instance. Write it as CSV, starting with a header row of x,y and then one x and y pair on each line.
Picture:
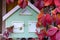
x,y
25,12
32,26
18,27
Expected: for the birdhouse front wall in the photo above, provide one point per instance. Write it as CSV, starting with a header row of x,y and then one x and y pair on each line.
x,y
25,18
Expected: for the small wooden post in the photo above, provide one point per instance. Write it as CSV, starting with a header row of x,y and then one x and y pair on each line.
x,y
3,13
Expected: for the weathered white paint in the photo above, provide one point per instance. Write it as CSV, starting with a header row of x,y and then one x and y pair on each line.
x,y
33,7
16,8
10,12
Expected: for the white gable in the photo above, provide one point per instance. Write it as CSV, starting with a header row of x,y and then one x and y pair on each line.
x,y
16,8
25,12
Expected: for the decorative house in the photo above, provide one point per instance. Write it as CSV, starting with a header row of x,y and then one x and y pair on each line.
x,y
24,21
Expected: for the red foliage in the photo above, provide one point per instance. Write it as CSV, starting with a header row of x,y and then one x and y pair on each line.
x,y
58,19
48,2
41,34
37,25
58,9
49,19
39,4
22,3
44,21
57,3
8,1
58,35
12,1
52,33
41,18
